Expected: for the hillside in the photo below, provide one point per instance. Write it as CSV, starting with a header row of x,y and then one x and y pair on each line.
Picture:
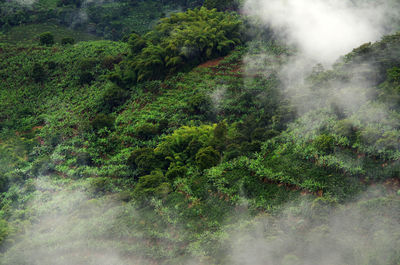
x,y
183,144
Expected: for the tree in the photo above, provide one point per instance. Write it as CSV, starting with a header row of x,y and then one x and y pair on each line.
x,y
46,38
207,157
178,42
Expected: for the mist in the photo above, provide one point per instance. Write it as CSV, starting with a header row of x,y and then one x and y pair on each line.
x,y
323,30
70,226
315,232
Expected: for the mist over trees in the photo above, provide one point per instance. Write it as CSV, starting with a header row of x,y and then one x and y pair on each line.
x,y
199,132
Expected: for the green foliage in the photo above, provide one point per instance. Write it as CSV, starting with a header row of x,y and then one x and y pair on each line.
x,y
154,184
182,40
38,73
144,159
4,230
102,121
146,131
85,78
109,62
168,169
219,4
176,172
67,41
112,98
324,143
46,39
207,157
393,75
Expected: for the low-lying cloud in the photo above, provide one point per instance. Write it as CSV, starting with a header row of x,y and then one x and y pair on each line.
x,y
323,29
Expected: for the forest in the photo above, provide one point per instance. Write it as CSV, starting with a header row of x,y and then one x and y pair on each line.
x,y
262,132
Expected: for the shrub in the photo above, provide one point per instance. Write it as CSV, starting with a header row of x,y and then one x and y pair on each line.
x,y
146,131
3,183
193,147
67,41
144,160
393,75
51,65
46,38
207,157
87,64
232,151
4,230
112,98
102,121
152,185
163,125
101,185
199,104
346,128
324,143
83,159
42,166
85,78
108,62
258,134
175,172
38,73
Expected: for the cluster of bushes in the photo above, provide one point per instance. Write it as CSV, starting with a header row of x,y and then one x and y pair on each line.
x,y
178,42
47,39
15,14
190,148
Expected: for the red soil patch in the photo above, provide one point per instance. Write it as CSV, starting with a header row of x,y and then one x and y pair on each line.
x,y
212,63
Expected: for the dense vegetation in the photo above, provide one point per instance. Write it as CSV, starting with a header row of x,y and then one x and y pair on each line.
x,y
180,144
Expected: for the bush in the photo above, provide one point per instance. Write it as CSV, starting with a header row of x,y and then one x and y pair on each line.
x,y
393,75
108,62
4,230
163,125
51,65
38,73
232,151
102,121
175,172
83,159
154,184
86,78
67,41
144,160
42,166
113,98
207,157
346,128
101,185
87,64
324,143
146,131
46,38
3,183
199,104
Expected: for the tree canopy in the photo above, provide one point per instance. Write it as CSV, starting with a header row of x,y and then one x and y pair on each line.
x,y
180,41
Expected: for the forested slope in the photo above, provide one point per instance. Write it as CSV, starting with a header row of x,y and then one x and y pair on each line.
x,y
137,153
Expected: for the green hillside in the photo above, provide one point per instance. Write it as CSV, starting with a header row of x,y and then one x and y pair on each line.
x,y
181,144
